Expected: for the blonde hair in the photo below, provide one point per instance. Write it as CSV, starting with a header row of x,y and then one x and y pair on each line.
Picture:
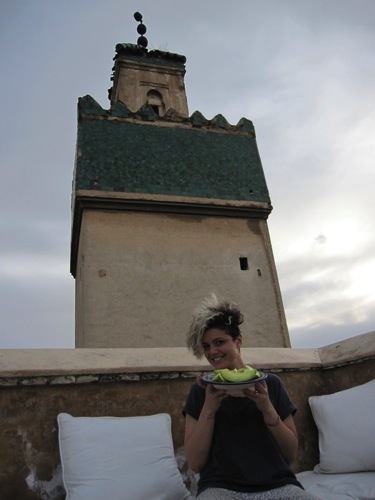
x,y
213,312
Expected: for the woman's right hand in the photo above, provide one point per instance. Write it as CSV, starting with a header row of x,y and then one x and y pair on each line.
x,y
213,398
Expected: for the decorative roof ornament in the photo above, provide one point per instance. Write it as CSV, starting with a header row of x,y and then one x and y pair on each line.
x,y
142,40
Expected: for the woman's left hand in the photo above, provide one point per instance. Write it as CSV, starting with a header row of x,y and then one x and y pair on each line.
x,y
259,394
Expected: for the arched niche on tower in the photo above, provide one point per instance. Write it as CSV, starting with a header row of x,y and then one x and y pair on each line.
x,y
155,100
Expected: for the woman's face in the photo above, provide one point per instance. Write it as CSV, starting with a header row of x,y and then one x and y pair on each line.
x,y
221,350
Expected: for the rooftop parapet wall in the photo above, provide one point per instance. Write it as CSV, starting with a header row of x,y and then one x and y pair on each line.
x,y
39,384
20,364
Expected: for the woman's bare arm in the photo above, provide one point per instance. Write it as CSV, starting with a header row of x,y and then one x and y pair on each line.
x,y
285,435
199,433
283,431
198,439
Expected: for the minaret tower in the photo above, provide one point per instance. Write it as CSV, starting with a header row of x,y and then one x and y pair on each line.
x,y
167,207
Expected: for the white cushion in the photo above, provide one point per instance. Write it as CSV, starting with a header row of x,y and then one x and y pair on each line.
x,y
119,458
346,425
358,485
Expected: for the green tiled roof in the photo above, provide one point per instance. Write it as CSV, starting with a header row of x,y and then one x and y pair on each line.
x,y
195,157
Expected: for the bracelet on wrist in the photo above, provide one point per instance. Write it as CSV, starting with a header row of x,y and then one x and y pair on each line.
x,y
278,420
209,416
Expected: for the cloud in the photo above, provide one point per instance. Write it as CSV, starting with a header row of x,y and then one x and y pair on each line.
x,y
37,302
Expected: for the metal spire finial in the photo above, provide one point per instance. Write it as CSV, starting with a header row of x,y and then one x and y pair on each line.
x,y
142,40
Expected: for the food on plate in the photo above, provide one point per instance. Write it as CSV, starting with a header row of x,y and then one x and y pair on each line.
x,y
240,375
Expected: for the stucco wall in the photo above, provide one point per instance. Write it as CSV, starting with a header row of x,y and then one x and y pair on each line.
x,y
151,274
36,385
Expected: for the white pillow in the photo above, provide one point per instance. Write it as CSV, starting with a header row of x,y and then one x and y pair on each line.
x,y
119,458
346,425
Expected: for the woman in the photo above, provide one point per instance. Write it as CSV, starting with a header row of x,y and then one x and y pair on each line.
x,y
240,446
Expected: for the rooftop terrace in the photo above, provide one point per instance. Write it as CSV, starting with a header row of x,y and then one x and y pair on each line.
x,y
36,385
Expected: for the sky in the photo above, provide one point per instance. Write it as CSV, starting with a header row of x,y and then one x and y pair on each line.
x,y
302,70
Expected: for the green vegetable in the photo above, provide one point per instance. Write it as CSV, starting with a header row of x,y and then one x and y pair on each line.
x,y
241,375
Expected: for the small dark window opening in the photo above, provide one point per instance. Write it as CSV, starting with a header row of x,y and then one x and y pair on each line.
x,y
156,109
244,265
155,101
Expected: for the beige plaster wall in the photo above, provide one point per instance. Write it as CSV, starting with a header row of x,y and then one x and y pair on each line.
x,y
139,269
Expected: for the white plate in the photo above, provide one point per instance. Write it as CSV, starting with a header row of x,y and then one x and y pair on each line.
x,y
232,387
